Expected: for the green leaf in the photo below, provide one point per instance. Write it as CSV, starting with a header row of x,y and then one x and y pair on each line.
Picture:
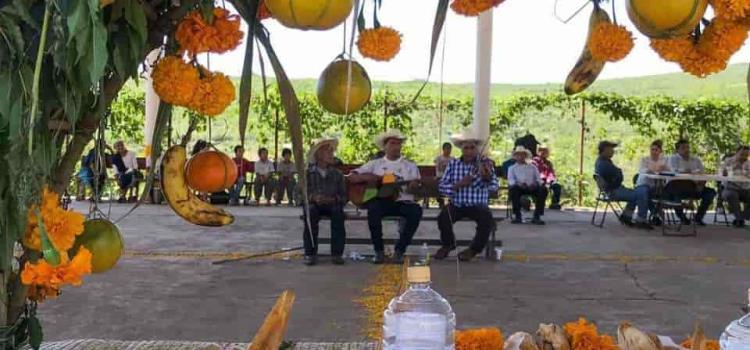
x,y
35,333
248,12
77,19
100,55
136,18
437,28
48,250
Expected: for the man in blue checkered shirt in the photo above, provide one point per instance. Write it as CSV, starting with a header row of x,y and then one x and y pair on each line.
x,y
468,182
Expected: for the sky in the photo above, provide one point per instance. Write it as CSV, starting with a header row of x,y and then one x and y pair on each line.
x,y
530,45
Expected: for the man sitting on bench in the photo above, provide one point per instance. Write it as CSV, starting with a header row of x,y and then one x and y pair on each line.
x,y
468,182
402,204
524,180
327,190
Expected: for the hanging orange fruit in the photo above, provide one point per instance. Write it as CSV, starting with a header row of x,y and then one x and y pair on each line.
x,y
334,87
102,238
666,18
310,14
210,171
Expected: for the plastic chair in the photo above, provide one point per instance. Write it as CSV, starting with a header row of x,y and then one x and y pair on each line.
x,y
667,206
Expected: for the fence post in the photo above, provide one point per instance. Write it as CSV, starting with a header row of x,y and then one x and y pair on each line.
x,y
583,143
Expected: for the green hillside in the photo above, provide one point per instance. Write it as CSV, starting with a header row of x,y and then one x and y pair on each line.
x,y
730,84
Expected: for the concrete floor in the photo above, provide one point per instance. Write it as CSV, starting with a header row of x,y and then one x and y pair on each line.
x,y
166,286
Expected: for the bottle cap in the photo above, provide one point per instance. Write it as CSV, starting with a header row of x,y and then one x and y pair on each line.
x,y
418,274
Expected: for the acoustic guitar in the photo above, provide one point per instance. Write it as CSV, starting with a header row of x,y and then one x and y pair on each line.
x,y
362,193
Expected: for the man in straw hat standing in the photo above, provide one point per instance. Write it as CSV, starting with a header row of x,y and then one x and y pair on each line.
x,y
393,163
468,182
327,191
524,179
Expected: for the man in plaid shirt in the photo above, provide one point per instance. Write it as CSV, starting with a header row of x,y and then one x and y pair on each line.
x,y
468,182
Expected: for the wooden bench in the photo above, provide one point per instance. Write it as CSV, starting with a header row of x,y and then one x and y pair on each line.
x,y
489,251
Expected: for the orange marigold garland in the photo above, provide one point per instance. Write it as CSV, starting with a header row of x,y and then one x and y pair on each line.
x,y
473,8
196,36
731,9
584,335
175,81
479,339
45,280
710,53
722,39
62,225
214,94
380,44
610,42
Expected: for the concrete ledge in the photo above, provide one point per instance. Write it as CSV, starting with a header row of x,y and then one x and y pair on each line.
x,y
99,344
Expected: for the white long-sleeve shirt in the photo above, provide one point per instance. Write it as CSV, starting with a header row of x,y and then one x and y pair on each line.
x,y
650,166
130,161
524,174
681,165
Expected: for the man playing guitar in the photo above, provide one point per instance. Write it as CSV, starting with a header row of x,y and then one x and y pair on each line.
x,y
372,173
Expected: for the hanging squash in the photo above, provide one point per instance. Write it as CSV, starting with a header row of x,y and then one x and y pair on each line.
x,y
210,171
333,87
310,14
103,239
666,18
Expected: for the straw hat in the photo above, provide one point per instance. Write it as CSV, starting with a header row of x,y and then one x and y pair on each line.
x,y
318,145
468,135
522,149
381,139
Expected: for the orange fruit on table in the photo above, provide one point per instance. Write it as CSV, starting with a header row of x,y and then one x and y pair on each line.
x,y
662,19
310,14
102,238
333,87
210,171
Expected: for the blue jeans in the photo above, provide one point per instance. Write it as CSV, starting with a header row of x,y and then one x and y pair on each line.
x,y
638,197
236,189
409,211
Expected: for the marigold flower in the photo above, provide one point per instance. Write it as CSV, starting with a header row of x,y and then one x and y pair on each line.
x,y
731,9
175,81
196,36
214,94
473,8
710,344
672,50
479,339
610,42
62,225
45,280
722,39
584,335
380,44
701,65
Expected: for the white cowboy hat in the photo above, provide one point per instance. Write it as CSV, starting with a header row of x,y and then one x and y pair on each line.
x,y
468,135
522,149
381,139
317,145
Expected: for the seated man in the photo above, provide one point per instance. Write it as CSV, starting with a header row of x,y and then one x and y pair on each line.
x,y
287,182
547,173
243,167
403,205
93,172
468,182
612,177
326,189
737,193
654,163
524,179
125,166
264,183
683,163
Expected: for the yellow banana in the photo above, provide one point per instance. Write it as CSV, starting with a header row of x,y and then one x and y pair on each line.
x,y
587,69
182,200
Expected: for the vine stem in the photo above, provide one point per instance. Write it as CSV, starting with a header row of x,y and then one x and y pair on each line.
x,y
37,75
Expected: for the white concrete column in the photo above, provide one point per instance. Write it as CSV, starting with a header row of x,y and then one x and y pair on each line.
x,y
152,103
482,79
